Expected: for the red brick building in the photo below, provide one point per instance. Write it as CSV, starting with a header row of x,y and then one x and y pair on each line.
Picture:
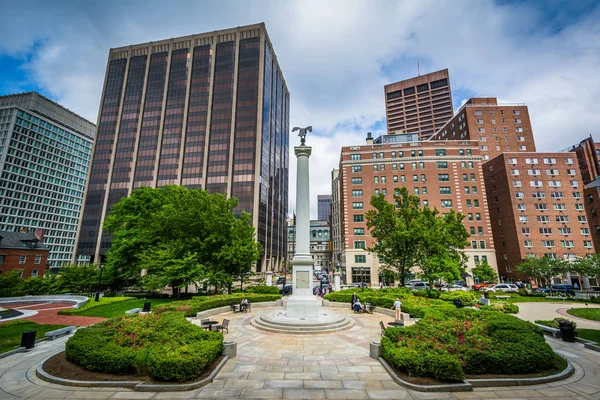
x,y
419,105
25,251
444,174
537,208
499,128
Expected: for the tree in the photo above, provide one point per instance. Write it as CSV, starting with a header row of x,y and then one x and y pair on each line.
x,y
544,269
409,235
485,272
179,236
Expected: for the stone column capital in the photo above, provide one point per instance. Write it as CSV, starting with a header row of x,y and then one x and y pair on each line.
x,y
303,151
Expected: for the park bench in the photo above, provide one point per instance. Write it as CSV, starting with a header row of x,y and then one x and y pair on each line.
x,y
133,311
502,297
547,329
51,335
557,298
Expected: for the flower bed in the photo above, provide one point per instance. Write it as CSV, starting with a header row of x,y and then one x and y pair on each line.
x,y
448,344
197,304
94,304
165,347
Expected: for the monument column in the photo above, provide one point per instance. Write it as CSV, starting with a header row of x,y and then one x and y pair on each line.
x,y
302,303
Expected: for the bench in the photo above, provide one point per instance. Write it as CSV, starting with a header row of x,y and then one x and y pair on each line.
x,y
502,297
133,311
547,329
556,298
59,332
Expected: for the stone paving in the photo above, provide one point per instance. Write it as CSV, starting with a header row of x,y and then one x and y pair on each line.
x,y
534,311
47,313
272,365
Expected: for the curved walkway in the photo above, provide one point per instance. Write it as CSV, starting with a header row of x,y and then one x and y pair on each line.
x,y
271,365
47,313
534,311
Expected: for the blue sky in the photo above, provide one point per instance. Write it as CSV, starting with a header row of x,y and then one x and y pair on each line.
x,y
336,56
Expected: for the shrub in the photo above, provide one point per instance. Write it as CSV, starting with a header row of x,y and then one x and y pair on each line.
x,y
93,304
553,323
449,343
507,308
263,289
467,298
197,304
523,292
165,346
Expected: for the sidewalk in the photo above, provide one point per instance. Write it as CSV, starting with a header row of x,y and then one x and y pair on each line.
x,y
534,311
327,366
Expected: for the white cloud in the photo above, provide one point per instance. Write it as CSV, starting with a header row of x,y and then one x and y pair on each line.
x,y
337,55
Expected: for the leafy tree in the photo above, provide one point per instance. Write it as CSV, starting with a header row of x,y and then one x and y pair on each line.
x,y
544,269
588,266
179,236
485,272
409,235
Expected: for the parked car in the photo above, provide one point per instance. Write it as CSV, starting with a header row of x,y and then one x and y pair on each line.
x,y
419,286
502,287
481,285
559,288
453,288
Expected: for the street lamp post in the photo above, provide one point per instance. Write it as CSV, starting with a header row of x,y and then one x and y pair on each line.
x,y
99,281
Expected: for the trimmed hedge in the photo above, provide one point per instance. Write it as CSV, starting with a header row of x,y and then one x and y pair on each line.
x,y
93,304
262,289
164,346
467,298
507,308
448,344
197,304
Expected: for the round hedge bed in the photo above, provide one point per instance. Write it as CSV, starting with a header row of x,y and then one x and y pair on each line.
x,y
165,347
450,344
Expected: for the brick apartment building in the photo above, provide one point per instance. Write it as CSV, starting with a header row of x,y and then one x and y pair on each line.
x,y
25,251
445,174
499,128
422,104
536,203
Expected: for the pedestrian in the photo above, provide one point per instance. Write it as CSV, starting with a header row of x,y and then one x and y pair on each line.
x,y
354,299
576,286
398,307
380,284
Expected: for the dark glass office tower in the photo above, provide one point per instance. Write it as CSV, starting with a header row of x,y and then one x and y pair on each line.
x,y
204,111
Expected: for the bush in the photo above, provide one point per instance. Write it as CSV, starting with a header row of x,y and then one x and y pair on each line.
x,y
197,304
449,343
553,323
165,346
523,292
93,304
263,289
467,298
507,308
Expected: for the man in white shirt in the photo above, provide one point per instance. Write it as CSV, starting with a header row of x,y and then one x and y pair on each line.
x,y
398,307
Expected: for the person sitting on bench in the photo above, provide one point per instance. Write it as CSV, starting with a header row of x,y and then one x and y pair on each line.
x,y
244,304
359,307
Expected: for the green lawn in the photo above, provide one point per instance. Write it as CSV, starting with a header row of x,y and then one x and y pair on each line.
x,y
10,333
587,313
589,334
117,309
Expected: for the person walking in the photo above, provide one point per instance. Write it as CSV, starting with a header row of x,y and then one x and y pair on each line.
x,y
398,307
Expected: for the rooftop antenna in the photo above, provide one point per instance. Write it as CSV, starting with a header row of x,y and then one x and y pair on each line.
x,y
418,69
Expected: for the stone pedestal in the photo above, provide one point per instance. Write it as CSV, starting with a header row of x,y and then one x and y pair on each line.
x,y
336,282
484,301
230,348
269,278
375,350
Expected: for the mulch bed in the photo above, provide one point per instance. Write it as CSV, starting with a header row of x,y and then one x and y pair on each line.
x,y
59,366
10,313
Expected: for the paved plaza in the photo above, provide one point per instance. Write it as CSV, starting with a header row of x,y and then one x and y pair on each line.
x,y
272,365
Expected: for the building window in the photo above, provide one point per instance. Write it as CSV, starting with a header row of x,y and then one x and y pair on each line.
x,y
359,218
22,259
357,181
446,203
362,275
444,177
523,219
357,205
38,260
360,244
547,243
34,273
356,168
357,193
360,258
528,243
2,258
376,179
442,165
355,157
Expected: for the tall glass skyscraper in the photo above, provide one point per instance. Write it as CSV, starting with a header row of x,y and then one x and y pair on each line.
x,y
205,111
45,153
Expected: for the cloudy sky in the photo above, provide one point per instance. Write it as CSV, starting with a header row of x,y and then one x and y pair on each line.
x,y
336,57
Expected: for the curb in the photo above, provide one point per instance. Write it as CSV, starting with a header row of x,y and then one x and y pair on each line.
x,y
134,385
469,384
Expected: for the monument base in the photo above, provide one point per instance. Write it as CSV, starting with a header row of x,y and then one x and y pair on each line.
x,y
302,307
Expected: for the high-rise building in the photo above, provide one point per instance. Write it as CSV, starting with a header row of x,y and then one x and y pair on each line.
x,y
45,153
319,243
444,174
336,226
324,206
499,128
206,111
419,105
537,209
